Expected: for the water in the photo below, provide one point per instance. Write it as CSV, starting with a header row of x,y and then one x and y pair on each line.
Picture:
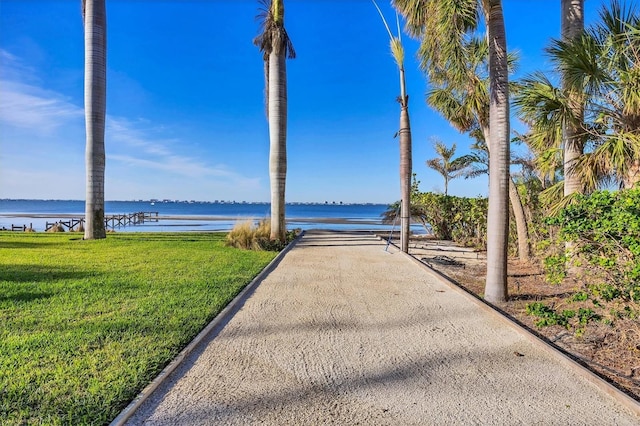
x,y
198,216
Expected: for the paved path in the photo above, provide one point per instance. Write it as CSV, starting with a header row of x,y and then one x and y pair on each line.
x,y
343,332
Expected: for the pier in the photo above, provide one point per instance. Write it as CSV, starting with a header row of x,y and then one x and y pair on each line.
x,y
111,221
21,228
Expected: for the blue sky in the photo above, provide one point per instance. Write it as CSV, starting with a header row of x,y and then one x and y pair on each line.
x,y
185,107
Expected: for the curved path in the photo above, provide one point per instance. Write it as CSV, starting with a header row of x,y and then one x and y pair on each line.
x,y
344,332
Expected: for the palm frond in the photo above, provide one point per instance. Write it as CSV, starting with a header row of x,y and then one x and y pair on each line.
x,y
610,162
444,100
542,105
397,50
440,27
554,198
273,36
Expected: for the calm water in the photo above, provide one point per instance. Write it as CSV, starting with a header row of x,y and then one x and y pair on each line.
x,y
195,216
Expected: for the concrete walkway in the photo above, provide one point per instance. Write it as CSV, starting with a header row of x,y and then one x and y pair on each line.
x,y
343,332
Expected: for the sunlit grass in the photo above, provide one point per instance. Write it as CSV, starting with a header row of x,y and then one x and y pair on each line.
x,y
87,324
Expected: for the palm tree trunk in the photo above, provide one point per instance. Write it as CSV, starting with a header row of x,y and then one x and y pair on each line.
x,y
498,215
524,252
405,165
405,177
277,106
572,26
633,175
522,229
95,84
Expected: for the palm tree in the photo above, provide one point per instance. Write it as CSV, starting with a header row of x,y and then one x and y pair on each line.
x,y
608,59
442,26
449,167
497,217
462,97
397,50
572,135
601,64
95,84
273,41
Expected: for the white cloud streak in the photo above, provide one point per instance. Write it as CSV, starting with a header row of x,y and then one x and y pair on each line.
x,y
138,147
29,107
136,150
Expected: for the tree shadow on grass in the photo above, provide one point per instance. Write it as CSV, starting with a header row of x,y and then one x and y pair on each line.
x,y
29,244
24,296
25,273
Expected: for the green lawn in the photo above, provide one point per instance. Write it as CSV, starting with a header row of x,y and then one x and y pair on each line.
x,y
86,325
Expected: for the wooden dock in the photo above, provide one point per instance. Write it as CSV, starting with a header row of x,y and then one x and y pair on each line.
x,y
111,221
21,228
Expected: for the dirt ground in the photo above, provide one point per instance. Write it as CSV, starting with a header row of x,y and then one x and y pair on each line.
x,y
611,351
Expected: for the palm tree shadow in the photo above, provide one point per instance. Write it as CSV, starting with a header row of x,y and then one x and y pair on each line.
x,y
24,296
29,273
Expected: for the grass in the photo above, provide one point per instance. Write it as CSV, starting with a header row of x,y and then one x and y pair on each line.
x,y
248,235
252,235
86,325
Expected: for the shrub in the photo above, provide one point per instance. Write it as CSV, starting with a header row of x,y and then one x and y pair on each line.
x,y
56,228
461,219
604,229
555,268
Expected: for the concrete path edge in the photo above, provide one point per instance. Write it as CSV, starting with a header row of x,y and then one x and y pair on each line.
x,y
216,324
632,404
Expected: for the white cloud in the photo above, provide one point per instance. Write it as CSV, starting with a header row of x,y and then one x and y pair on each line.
x,y
13,69
45,123
25,104
30,107
138,145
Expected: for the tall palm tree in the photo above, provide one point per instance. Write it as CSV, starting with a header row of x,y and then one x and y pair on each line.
x,y
497,217
602,65
95,99
462,97
397,50
273,41
605,63
449,167
573,138
442,26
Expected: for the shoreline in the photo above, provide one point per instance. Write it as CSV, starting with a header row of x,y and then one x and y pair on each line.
x,y
39,222
208,218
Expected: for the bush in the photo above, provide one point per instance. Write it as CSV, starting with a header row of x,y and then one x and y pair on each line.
x,y
568,318
604,230
460,219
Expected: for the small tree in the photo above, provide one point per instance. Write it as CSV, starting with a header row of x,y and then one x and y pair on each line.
x,y
449,167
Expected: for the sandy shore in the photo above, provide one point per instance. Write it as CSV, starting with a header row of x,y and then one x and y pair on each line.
x,y
346,332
